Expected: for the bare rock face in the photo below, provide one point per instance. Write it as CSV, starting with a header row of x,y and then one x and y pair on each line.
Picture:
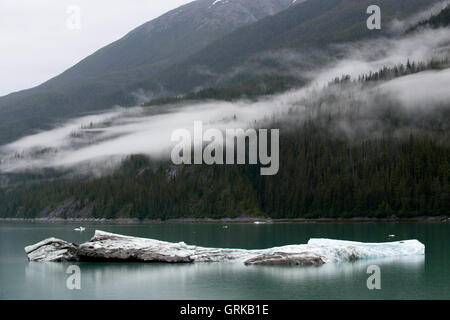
x,y
52,249
285,258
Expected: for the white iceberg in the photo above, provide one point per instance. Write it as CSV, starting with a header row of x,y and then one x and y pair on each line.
x,y
106,246
339,250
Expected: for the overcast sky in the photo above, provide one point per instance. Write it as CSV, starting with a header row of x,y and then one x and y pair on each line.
x,y
40,38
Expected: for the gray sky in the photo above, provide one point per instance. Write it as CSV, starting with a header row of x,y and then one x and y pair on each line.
x,y
40,38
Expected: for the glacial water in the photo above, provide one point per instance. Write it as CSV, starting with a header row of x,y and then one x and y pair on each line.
x,y
419,277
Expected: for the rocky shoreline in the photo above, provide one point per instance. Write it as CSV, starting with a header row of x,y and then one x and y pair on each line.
x,y
437,219
104,246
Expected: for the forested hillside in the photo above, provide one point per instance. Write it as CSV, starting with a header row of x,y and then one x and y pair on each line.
x,y
442,19
371,143
320,176
312,29
341,161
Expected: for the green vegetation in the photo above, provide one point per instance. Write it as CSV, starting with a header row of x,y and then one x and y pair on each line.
x,y
400,70
440,20
246,90
320,176
324,171
391,164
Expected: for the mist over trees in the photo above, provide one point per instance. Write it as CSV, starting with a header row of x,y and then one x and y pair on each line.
x,y
363,145
178,53
347,158
320,176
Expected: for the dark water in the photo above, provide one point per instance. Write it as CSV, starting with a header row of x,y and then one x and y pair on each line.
x,y
405,278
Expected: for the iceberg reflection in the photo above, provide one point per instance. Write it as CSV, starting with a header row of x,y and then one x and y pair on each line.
x,y
217,280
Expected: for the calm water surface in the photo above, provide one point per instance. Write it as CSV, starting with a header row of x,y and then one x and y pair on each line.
x,y
405,278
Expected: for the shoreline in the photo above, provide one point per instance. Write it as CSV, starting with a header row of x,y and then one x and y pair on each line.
x,y
437,219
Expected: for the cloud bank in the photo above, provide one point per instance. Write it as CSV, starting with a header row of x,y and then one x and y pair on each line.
x,y
108,138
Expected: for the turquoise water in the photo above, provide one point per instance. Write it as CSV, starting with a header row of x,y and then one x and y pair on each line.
x,y
404,278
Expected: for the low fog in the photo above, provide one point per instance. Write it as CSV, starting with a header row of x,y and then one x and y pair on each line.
x,y
108,138
399,26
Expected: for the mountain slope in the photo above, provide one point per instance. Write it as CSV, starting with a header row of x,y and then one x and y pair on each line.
x,y
106,78
194,47
306,28
442,19
172,36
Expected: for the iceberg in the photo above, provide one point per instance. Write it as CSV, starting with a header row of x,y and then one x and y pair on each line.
x,y
338,250
106,246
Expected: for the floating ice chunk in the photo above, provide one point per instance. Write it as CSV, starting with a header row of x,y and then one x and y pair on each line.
x,y
113,247
338,250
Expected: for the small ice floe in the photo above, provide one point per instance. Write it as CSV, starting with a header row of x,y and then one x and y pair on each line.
x,y
225,227
81,229
268,221
392,236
